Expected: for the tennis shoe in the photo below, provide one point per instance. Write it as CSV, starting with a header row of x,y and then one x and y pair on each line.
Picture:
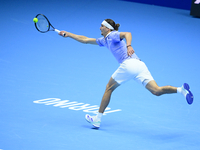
x,y
93,120
189,95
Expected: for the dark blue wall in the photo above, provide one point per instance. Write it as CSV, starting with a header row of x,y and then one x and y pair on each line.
x,y
181,4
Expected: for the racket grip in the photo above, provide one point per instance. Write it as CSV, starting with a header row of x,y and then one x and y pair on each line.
x,y
59,31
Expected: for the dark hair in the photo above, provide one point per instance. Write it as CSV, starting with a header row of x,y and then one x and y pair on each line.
x,y
112,23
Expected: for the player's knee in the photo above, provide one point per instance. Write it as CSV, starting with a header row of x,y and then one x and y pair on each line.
x,y
111,87
157,92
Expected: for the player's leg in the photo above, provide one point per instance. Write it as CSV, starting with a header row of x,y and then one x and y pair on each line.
x,y
110,87
156,90
184,90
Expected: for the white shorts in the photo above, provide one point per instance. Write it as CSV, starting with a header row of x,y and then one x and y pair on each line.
x,y
132,69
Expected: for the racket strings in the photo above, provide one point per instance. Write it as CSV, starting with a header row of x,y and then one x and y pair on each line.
x,y
42,24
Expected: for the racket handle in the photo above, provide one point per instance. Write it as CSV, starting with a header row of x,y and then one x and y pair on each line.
x,y
59,31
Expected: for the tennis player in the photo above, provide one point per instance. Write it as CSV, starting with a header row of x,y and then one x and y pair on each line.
x,y
131,67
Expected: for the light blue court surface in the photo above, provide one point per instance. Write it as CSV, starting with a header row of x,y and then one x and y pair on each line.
x,y
48,83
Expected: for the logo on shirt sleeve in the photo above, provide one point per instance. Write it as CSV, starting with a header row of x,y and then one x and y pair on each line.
x,y
197,2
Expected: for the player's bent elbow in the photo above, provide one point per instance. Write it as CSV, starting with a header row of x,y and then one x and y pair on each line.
x,y
88,41
84,40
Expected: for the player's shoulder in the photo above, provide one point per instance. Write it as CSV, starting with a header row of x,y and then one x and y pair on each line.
x,y
114,33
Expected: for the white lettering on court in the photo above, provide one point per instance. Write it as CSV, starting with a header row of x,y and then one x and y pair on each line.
x,y
56,102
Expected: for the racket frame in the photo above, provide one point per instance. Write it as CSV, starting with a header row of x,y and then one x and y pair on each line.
x,y
50,25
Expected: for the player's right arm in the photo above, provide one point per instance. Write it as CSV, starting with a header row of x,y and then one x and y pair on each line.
x,y
79,38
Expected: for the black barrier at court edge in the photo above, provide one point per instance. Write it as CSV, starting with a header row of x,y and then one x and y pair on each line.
x,y
195,8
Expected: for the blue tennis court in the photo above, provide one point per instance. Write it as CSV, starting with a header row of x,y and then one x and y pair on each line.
x,y
48,83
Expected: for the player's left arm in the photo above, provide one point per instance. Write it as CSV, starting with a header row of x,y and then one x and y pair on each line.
x,y
128,37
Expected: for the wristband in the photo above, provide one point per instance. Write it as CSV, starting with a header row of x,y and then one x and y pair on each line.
x,y
128,46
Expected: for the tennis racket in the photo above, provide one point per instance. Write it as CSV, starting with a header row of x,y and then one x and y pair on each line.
x,y
43,25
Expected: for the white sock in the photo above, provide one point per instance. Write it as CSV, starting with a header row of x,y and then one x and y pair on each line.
x,y
182,91
179,89
99,115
